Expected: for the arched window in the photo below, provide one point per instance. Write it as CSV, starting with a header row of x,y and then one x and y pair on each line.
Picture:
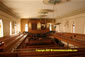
x,y
73,28
26,27
50,27
10,28
1,28
15,25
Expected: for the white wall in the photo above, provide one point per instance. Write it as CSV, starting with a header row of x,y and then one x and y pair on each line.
x,y
6,23
78,20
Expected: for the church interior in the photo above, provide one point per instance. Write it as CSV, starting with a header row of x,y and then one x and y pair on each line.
x,y
42,28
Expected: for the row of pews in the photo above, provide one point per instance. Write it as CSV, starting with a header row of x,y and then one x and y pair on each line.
x,y
24,45
30,50
79,53
74,39
11,42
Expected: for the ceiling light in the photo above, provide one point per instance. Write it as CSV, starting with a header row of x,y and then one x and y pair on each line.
x,y
54,1
42,15
46,10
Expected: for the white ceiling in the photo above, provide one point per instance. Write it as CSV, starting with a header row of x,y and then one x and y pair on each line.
x,y
31,8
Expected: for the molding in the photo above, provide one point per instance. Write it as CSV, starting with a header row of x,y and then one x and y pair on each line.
x,y
7,10
41,19
38,18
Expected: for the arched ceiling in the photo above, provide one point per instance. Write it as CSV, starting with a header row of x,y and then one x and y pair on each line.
x,y
31,8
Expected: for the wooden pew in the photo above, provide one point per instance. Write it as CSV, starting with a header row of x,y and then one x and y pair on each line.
x,y
79,53
6,40
66,38
13,42
4,54
76,36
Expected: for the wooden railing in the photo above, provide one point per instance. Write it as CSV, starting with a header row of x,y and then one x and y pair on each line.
x,y
74,39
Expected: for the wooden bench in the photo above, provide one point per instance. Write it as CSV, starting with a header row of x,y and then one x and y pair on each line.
x,y
69,40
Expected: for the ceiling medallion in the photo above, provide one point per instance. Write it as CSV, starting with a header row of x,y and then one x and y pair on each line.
x,y
53,2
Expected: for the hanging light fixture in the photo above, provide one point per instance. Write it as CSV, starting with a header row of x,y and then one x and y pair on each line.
x,y
53,2
57,23
42,12
41,16
46,10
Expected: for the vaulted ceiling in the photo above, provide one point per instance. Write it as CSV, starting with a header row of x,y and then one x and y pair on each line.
x,y
31,8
